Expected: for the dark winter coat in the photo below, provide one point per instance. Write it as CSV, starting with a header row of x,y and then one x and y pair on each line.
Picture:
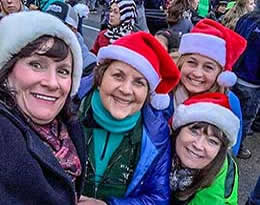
x,y
29,172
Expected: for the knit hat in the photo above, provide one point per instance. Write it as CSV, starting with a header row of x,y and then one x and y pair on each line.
x,y
64,12
142,51
213,108
210,38
35,24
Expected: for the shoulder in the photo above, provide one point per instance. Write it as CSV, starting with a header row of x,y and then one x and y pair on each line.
x,y
224,189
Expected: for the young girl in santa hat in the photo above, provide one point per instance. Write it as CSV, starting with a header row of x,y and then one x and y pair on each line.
x,y
203,172
208,53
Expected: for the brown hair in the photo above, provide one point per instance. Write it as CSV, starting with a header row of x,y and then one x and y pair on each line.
x,y
59,51
176,9
231,17
205,176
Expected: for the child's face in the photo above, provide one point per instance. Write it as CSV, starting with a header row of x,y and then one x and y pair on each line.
x,y
222,8
114,15
195,148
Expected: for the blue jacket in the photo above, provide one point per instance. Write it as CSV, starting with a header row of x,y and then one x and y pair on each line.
x,y
29,172
248,66
150,182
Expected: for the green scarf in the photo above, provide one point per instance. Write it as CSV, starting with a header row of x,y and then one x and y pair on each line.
x,y
107,140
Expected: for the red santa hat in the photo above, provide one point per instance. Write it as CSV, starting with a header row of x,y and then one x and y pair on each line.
x,y
142,51
212,108
212,39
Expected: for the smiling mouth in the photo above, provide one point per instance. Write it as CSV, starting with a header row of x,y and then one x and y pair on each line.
x,y
121,100
195,82
44,97
194,154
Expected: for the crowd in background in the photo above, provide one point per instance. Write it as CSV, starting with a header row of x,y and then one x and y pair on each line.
x,y
155,112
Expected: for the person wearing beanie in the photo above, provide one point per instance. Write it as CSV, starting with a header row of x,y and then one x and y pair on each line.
x,y
70,17
122,17
203,171
247,69
128,141
218,12
41,144
207,68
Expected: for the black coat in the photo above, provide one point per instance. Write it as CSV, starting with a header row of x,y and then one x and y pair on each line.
x,y
29,172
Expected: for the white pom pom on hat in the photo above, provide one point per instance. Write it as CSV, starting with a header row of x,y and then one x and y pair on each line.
x,y
211,39
148,57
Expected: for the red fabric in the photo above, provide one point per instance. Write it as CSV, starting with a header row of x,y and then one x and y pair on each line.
x,y
147,46
216,98
56,137
235,44
100,41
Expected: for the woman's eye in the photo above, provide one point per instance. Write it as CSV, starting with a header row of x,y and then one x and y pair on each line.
x,y
36,65
64,72
117,76
209,68
214,141
191,62
140,83
194,131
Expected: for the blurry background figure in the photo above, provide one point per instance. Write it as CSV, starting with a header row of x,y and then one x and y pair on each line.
x,y
247,70
240,8
254,197
11,6
170,41
178,19
155,14
68,15
218,12
140,22
82,10
122,17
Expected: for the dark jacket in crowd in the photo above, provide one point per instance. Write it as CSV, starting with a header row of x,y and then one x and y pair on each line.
x,y
29,172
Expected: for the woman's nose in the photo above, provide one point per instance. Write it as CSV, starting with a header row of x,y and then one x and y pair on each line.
x,y
51,79
126,87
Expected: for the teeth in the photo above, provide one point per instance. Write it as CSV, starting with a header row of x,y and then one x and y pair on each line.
x,y
194,154
195,82
44,97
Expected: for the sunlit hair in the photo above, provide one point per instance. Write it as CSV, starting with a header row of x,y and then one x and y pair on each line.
x,y
231,17
59,51
205,176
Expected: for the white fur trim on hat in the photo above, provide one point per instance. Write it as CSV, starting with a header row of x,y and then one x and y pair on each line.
x,y
204,44
214,114
139,62
34,24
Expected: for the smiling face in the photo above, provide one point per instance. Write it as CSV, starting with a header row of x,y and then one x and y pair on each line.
x,y
11,6
123,90
199,73
114,15
196,147
250,5
42,86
